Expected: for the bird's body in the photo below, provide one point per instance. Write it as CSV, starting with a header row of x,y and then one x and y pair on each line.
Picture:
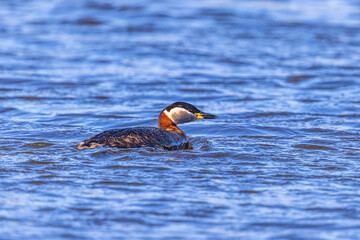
x,y
166,135
136,138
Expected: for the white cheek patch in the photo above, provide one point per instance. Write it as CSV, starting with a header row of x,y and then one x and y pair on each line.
x,y
180,115
169,115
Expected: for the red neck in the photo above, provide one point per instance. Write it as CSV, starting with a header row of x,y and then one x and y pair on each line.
x,y
164,122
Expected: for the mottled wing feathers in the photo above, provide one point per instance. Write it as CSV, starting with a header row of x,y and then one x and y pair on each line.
x,y
135,138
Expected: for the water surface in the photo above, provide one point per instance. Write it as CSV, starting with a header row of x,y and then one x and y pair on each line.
x,y
281,162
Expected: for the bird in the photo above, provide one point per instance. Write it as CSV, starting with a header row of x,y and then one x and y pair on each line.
x,y
166,135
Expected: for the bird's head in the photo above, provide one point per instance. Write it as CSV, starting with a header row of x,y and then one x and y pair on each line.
x,y
182,112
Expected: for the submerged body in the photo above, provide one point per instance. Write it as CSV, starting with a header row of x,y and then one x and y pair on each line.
x,y
166,135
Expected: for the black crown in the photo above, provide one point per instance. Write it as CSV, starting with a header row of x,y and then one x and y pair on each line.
x,y
184,105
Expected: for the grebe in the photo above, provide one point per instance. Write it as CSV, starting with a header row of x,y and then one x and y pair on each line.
x,y
166,135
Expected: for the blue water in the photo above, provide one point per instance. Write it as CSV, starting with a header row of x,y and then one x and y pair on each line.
x,y
281,162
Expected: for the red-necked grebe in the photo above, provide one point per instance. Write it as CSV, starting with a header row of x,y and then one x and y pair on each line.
x,y
166,135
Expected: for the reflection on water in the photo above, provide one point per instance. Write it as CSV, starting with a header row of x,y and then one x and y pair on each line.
x,y
281,162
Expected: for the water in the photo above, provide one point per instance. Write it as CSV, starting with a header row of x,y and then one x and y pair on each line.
x,y
281,162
